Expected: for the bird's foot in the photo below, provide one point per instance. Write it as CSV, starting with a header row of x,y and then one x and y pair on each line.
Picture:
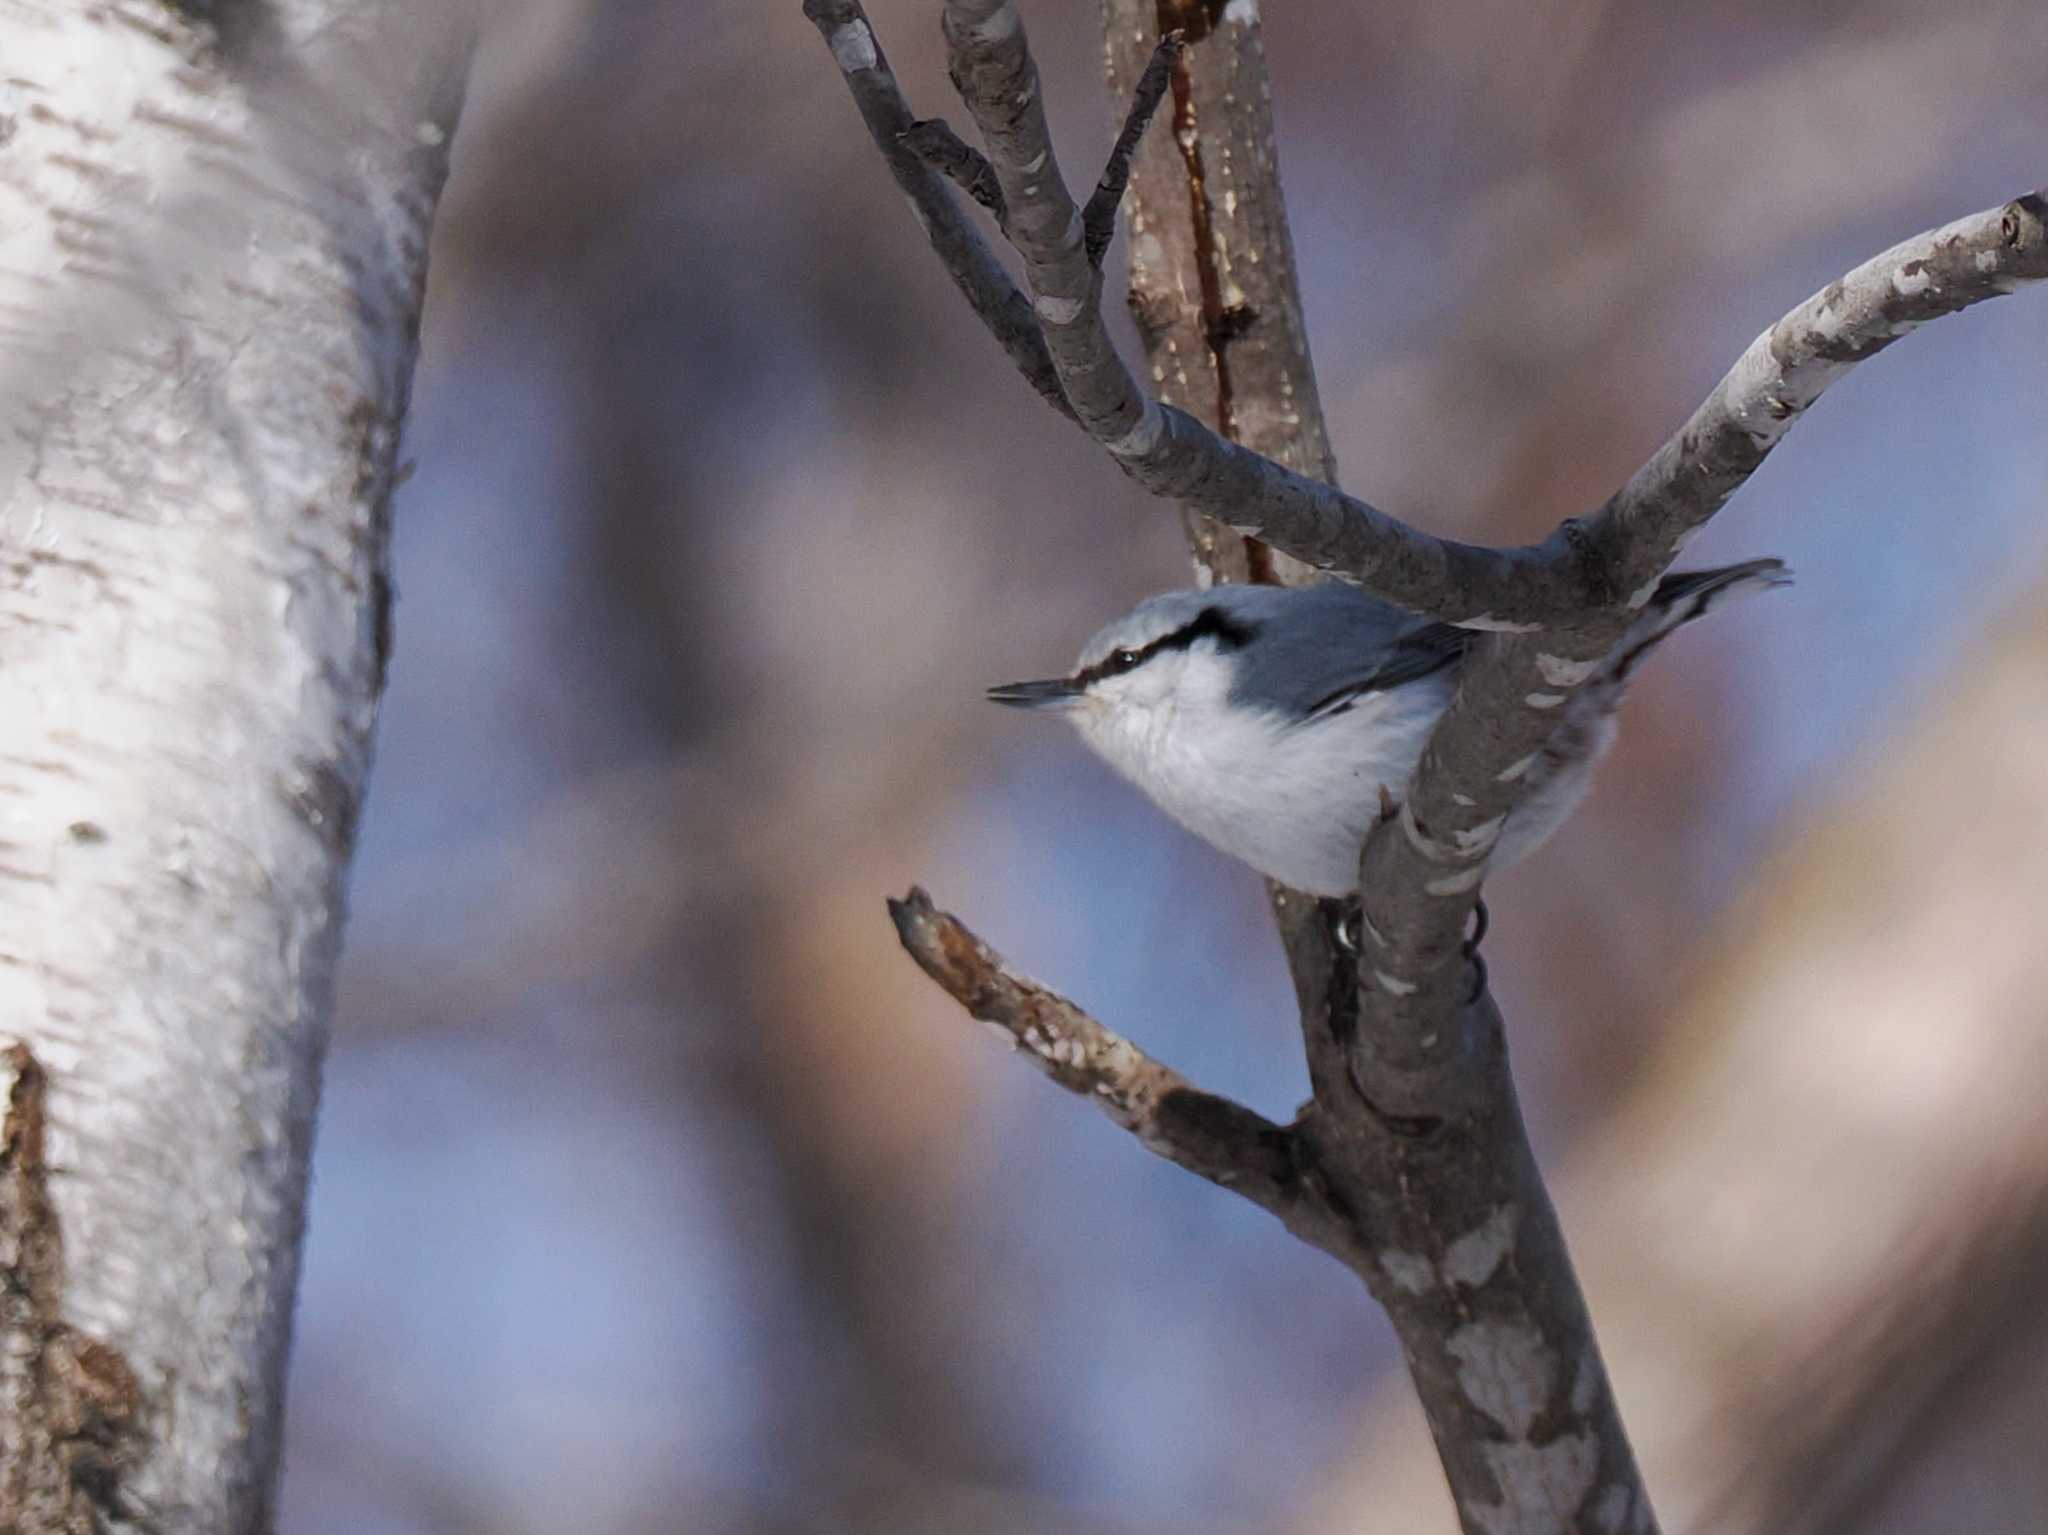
x,y
1481,921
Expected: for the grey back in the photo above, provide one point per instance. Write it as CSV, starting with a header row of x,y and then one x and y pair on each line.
x,y
1318,646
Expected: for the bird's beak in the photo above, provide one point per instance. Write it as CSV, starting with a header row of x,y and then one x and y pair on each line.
x,y
1053,693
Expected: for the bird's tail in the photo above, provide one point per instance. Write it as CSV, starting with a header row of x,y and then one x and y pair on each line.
x,y
1685,595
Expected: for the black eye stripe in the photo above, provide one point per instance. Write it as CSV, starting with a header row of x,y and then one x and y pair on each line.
x,y
1211,623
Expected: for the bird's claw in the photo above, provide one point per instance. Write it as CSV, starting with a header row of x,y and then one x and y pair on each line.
x,y
1344,933
1345,930
1481,921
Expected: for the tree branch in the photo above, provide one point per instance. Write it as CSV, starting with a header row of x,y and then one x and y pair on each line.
x,y
1213,1137
992,68
1555,584
1164,449
1646,524
935,143
1419,871
994,298
1098,219
1447,1223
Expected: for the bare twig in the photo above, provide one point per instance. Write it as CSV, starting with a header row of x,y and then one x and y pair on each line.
x,y
988,289
1571,576
934,142
1222,1141
1098,219
1984,256
991,65
1166,450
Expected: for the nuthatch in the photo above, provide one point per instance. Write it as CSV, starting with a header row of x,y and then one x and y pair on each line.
x,y
1274,721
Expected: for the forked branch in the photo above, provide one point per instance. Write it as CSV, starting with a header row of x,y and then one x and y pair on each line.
x,y
935,143
1419,872
1556,584
1410,1165
1166,450
1448,1225
1213,1137
996,300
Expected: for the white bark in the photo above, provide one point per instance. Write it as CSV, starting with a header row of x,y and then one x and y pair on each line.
x,y
211,256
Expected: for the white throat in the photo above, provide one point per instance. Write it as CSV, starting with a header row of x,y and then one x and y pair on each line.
x,y
1294,800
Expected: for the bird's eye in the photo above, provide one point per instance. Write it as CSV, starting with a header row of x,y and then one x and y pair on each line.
x,y
1124,660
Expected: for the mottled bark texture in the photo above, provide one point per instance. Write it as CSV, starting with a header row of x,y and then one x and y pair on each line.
x,y
1162,447
996,300
1220,1140
69,1403
1213,283
1502,1353
213,230
1410,1164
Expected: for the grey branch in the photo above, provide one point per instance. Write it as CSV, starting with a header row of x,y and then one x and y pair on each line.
x,y
1575,573
1420,870
1164,449
1984,256
1447,1223
995,299
992,67
1222,1141
1098,219
935,143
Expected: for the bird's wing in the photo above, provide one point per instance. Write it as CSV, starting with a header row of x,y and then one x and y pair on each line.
x,y
1415,656
1349,644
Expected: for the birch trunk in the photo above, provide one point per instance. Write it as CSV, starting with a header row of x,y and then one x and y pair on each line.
x,y
212,250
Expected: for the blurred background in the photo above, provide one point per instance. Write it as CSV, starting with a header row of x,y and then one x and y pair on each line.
x,y
657,1191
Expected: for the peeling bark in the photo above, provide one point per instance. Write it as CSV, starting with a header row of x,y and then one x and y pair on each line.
x,y
1214,285
69,1404
212,255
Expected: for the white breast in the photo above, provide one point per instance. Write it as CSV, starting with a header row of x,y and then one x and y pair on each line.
x,y
1292,800
1295,801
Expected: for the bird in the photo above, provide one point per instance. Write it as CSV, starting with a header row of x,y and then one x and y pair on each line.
x,y
1280,723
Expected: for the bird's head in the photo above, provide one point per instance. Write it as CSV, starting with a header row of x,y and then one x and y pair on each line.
x,y
1165,653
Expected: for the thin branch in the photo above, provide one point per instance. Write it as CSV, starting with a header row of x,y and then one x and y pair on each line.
x,y
1222,1141
934,142
988,289
991,65
1098,219
1420,872
1560,583
1170,452
1940,272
